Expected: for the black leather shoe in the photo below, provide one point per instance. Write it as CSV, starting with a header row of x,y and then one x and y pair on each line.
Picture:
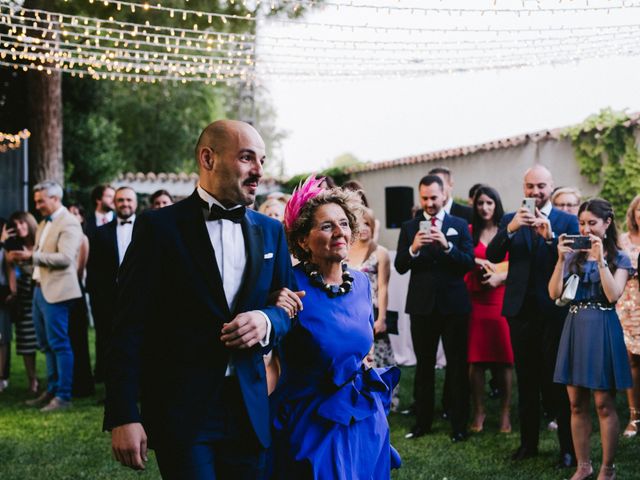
x,y
409,411
444,415
566,460
523,452
417,432
458,437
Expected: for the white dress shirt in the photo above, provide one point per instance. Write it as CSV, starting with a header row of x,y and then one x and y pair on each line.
x,y
229,248
103,218
123,235
448,205
43,236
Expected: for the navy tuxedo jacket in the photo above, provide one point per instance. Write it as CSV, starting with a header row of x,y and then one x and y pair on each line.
x,y
171,307
437,278
521,247
102,267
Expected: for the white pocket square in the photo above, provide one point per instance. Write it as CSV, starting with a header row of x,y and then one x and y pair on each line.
x,y
451,232
268,255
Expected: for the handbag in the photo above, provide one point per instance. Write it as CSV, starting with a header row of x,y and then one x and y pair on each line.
x,y
569,291
391,321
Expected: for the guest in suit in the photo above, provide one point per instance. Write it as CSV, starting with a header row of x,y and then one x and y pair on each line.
x,y
58,239
534,320
160,199
108,246
192,321
102,197
450,207
438,250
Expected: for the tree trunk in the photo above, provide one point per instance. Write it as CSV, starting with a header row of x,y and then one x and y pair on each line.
x,y
45,113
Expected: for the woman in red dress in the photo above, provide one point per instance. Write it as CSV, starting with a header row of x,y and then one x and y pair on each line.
x,y
489,339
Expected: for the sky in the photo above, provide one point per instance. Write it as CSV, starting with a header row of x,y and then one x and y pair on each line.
x,y
387,118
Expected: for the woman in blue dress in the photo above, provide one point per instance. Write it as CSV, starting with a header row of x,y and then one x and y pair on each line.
x,y
331,406
592,354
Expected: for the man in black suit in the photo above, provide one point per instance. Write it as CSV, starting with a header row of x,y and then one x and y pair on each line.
x,y
102,197
535,322
192,322
107,248
452,208
438,250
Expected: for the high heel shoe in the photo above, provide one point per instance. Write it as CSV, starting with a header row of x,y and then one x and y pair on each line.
x,y
583,472
634,423
34,385
505,423
478,423
607,472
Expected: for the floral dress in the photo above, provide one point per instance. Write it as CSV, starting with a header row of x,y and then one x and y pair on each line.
x,y
628,306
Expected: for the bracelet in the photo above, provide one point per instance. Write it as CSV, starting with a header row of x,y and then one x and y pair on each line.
x,y
603,264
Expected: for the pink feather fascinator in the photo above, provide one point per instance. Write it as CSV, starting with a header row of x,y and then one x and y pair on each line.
x,y
301,195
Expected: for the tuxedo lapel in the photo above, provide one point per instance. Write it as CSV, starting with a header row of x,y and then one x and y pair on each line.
x,y
194,230
254,243
113,237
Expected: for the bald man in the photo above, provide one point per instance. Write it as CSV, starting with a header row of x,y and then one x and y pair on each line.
x,y
535,322
193,324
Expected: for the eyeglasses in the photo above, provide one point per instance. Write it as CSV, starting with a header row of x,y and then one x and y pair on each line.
x,y
566,205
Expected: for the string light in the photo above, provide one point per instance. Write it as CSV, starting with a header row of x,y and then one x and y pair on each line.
x,y
10,141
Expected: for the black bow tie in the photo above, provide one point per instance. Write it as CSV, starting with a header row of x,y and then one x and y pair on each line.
x,y
124,222
218,213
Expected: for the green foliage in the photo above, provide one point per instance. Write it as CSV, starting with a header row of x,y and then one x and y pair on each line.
x,y
606,151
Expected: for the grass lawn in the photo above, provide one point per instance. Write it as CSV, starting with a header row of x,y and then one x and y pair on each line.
x,y
70,445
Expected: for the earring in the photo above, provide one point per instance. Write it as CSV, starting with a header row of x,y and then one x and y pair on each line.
x,y
605,234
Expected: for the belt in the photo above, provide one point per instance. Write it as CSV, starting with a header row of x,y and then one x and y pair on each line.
x,y
594,305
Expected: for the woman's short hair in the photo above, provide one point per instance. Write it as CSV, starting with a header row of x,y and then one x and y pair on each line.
x,y
159,193
347,200
632,225
566,191
271,202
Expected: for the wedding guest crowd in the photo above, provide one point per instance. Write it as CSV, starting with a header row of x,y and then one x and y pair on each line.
x,y
501,291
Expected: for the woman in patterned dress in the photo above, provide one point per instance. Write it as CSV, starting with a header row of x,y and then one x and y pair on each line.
x,y
20,274
628,308
373,260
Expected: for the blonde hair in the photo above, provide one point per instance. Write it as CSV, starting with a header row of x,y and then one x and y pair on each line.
x,y
566,191
632,225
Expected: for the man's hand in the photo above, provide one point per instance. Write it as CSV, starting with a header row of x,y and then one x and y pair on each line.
x,y
287,300
438,237
245,330
542,226
522,218
129,445
421,239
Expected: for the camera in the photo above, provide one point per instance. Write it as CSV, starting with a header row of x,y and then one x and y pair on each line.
x,y
579,242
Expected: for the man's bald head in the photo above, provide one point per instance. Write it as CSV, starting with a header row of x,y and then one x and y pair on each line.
x,y
230,155
538,184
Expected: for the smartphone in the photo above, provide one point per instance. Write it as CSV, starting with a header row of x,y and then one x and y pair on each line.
x,y
425,226
530,205
580,242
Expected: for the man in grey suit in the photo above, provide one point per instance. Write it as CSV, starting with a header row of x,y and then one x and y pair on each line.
x,y
58,239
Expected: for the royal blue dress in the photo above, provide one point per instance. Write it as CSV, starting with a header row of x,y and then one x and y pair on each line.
x,y
592,352
331,412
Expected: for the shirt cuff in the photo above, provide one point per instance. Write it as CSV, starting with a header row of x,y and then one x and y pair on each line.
x,y
510,235
265,340
413,255
449,248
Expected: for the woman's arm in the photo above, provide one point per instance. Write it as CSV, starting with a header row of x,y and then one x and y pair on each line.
x,y
555,282
384,272
612,283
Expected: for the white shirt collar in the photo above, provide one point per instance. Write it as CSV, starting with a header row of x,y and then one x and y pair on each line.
x,y
55,214
546,210
210,199
448,205
439,215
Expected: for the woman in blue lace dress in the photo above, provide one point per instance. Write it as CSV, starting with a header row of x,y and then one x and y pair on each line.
x,y
331,406
592,354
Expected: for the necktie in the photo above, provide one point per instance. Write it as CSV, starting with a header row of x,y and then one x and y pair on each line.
x,y
219,213
48,218
104,220
434,221
124,222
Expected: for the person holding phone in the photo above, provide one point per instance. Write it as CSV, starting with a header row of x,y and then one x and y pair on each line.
x,y
528,236
592,355
489,338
